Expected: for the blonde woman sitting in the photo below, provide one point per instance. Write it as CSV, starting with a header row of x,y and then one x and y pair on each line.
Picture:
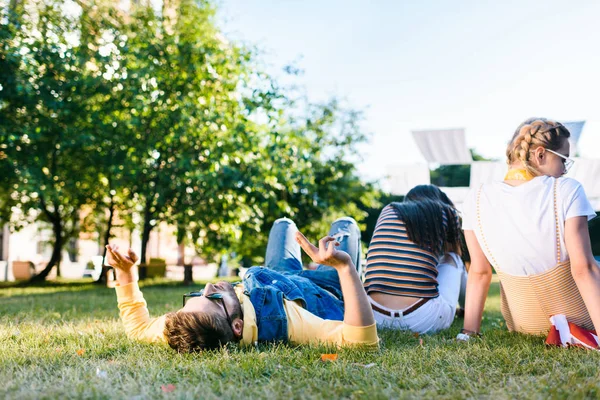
x,y
532,228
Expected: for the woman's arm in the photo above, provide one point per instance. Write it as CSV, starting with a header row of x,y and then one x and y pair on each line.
x,y
478,283
584,268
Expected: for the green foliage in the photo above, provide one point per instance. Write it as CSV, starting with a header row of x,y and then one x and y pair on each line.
x,y
7,179
373,212
157,117
43,108
178,82
305,174
454,175
43,327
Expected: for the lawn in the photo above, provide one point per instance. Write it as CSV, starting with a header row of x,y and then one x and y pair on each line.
x,y
64,340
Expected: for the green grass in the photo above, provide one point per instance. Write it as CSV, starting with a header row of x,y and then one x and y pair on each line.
x,y
43,327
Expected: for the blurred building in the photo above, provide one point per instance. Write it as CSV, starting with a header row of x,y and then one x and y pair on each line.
x,y
33,243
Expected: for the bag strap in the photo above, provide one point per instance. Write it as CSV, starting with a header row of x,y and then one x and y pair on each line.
x,y
557,224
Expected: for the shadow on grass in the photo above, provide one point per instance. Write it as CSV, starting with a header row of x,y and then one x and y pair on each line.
x,y
64,301
50,284
57,286
71,303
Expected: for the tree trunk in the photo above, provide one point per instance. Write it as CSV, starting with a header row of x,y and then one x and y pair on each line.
x,y
188,278
71,242
145,238
111,212
58,273
180,244
180,253
56,252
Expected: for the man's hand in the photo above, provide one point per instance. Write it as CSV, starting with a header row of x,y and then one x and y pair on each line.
x,y
326,253
121,261
356,303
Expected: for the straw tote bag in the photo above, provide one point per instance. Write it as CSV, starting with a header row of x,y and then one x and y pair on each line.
x,y
528,302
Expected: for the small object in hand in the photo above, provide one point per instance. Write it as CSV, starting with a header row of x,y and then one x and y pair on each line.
x,y
329,357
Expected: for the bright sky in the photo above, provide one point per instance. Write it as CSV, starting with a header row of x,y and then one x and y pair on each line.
x,y
482,65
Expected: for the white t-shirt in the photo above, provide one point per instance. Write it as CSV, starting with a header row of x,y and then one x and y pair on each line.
x,y
519,225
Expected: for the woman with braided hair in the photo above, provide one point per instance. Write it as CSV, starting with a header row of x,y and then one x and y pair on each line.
x,y
532,228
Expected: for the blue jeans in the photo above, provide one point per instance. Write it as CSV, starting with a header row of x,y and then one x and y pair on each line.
x,y
284,254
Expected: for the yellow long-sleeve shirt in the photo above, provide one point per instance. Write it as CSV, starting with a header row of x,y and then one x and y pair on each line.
x,y
303,326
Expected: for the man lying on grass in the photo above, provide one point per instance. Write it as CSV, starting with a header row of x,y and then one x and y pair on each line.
x,y
278,303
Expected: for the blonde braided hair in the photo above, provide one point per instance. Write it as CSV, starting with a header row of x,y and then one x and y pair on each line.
x,y
531,134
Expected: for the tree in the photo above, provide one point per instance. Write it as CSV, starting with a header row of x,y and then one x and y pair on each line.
x,y
111,141
11,17
42,105
180,82
305,172
157,116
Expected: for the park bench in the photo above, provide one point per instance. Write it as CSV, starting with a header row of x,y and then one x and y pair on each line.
x,y
156,267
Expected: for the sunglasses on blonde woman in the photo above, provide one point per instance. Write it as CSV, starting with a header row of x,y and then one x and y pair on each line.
x,y
567,161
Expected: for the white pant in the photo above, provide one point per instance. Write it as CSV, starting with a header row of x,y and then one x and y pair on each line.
x,y
437,313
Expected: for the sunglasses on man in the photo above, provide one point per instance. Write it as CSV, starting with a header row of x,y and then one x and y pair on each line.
x,y
218,297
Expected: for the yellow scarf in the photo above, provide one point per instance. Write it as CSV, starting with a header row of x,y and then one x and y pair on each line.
x,y
518,174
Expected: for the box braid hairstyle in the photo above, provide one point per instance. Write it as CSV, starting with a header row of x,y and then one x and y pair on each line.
x,y
532,133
